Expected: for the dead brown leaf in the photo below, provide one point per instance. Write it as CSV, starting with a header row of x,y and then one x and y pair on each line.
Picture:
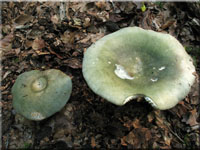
x,y
168,23
73,63
103,15
28,43
128,124
181,109
59,134
38,44
6,29
76,7
146,20
84,50
138,137
101,4
95,37
86,22
23,65
123,141
86,39
132,139
161,120
115,18
23,18
6,74
17,51
93,143
52,52
192,120
147,133
136,123
42,53
55,19
195,94
68,37
150,117
165,147
6,42
167,140
2,88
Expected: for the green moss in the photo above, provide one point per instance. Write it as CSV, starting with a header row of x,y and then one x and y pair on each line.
x,y
27,146
160,4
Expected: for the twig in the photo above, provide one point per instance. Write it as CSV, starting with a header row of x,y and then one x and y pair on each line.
x,y
7,140
62,10
192,128
175,134
52,52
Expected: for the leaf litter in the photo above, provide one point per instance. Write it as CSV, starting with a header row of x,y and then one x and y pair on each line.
x,y
55,35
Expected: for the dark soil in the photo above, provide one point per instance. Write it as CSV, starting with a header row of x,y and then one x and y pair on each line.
x,y
55,35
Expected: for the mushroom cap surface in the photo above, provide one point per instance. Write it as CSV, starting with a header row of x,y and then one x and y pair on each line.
x,y
135,62
39,94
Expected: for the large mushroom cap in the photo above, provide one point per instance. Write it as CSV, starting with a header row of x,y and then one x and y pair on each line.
x,y
133,62
39,94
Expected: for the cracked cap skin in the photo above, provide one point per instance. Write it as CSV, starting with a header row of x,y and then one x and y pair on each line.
x,y
39,94
135,62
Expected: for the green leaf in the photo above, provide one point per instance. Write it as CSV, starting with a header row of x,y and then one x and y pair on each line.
x,y
27,145
143,8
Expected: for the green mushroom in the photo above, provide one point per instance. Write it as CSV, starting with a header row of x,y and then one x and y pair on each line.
x,y
39,94
134,62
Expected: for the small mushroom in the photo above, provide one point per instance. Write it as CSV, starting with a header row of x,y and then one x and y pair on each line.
x,y
39,94
134,62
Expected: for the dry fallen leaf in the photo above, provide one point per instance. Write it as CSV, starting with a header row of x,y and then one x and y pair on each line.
x,y
123,141
42,53
132,139
6,42
151,117
138,137
86,22
59,134
55,19
52,52
23,18
161,120
38,44
168,23
136,123
68,37
93,143
192,120
95,37
101,4
147,133
86,39
128,124
28,44
73,63
167,140
195,94
17,51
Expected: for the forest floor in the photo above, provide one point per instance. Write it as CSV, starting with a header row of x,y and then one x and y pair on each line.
x,y
54,36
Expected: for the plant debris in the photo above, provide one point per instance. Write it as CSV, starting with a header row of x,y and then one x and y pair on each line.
x,y
55,35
